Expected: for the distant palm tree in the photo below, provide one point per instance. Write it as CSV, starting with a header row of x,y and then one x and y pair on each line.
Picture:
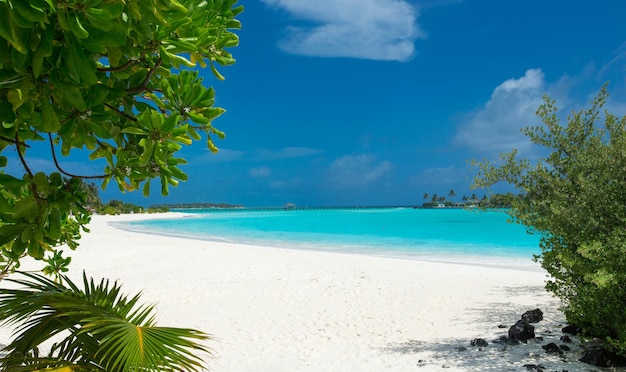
x,y
426,196
451,194
104,330
434,198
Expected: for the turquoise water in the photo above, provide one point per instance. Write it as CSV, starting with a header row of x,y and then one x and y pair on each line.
x,y
430,234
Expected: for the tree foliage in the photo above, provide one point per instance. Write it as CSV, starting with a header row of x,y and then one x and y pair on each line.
x,y
575,197
110,77
114,79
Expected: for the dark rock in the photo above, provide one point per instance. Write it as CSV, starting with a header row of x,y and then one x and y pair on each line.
x,y
571,329
565,348
552,348
502,326
539,338
596,354
522,331
461,348
480,342
501,340
566,339
535,367
533,316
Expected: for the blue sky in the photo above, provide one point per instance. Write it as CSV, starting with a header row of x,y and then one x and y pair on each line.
x,y
376,102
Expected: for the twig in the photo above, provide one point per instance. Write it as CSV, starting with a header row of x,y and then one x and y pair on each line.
x,y
7,139
126,65
146,80
19,153
121,113
58,166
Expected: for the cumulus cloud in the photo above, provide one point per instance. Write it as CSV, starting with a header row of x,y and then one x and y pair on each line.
x,y
357,170
260,172
496,127
368,29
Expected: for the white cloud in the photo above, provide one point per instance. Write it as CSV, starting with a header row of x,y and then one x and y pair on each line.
x,y
260,172
496,127
285,153
357,170
368,29
222,156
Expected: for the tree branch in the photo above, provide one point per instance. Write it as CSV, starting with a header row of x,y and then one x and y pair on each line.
x,y
123,67
58,166
146,80
10,140
120,113
19,153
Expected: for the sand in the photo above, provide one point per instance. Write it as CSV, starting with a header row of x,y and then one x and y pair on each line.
x,y
273,309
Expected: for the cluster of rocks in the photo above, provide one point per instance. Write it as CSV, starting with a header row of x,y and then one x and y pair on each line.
x,y
593,352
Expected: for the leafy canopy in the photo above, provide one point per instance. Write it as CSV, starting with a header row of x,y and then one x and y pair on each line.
x,y
108,76
575,198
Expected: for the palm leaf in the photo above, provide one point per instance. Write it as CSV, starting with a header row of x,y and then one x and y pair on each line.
x,y
105,329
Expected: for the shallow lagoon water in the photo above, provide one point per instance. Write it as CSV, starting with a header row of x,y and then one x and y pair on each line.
x,y
444,234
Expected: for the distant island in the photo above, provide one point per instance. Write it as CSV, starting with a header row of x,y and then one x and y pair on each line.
x,y
491,201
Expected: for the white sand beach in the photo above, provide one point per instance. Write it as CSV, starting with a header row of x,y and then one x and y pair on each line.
x,y
274,309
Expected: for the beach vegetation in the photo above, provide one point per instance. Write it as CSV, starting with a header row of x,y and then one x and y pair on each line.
x,y
196,205
490,201
114,207
94,328
116,81
575,199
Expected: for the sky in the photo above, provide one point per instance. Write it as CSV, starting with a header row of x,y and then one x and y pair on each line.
x,y
378,102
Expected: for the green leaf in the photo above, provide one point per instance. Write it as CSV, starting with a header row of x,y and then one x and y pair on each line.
x,y
146,189
11,183
100,325
135,130
49,121
215,72
10,232
54,224
5,22
16,97
35,249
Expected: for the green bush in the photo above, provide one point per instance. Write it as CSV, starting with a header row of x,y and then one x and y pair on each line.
x,y
575,198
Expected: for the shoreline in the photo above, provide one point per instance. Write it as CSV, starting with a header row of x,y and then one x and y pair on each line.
x,y
295,310
511,263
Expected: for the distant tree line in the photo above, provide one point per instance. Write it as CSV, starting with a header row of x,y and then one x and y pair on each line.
x,y
95,205
196,206
486,201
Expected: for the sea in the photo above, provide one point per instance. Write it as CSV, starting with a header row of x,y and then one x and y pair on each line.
x,y
469,236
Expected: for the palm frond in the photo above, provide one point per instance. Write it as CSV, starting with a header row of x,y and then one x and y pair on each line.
x,y
106,330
